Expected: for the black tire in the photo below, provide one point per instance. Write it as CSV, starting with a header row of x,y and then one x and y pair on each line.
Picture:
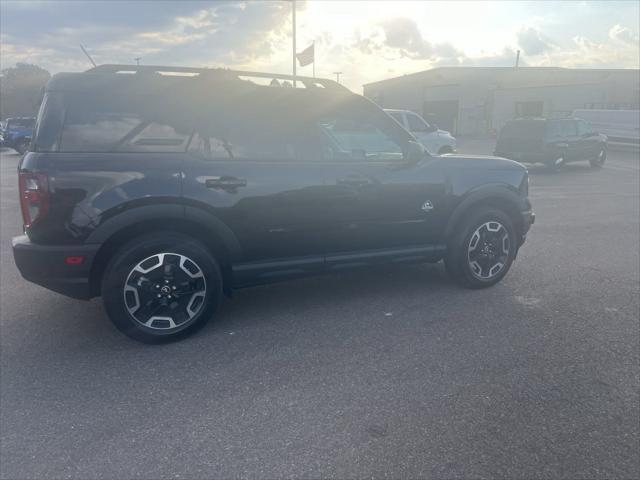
x,y
458,260
178,283
445,149
601,157
558,161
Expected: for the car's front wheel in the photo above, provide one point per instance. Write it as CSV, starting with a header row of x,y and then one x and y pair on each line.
x,y
161,286
556,162
601,157
482,249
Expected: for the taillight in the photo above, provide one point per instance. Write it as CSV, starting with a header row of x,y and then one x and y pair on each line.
x,y
34,196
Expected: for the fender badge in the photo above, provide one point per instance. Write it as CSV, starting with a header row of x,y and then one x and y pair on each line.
x,y
427,206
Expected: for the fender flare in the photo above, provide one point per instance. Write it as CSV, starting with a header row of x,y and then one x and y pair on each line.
x,y
167,212
473,198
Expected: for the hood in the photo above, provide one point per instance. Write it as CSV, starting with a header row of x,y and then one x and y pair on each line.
x,y
463,161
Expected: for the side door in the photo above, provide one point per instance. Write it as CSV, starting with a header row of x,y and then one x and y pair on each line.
x,y
569,135
400,118
423,132
587,140
386,205
249,166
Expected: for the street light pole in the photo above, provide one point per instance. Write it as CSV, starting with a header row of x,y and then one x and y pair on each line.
x,y
337,74
293,4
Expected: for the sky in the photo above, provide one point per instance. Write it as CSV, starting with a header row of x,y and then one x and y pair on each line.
x,y
365,40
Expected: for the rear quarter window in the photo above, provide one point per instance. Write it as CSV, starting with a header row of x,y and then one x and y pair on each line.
x,y
119,125
523,130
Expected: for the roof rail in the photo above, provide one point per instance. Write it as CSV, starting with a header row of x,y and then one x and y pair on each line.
x,y
308,82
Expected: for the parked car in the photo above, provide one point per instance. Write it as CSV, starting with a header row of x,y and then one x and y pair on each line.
x,y
436,141
17,133
553,142
161,192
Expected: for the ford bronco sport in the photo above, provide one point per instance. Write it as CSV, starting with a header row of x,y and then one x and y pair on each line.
x,y
161,188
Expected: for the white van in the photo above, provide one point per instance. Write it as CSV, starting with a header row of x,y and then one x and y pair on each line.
x,y
622,126
436,141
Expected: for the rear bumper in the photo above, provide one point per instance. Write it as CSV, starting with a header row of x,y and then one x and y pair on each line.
x,y
46,266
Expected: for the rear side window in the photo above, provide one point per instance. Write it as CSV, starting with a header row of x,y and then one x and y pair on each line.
x,y
97,125
523,130
252,127
49,124
561,129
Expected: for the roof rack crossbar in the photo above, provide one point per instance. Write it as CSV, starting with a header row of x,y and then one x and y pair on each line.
x,y
306,81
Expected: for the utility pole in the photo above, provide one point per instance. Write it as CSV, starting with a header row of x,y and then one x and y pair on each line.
x,y
517,58
337,74
293,4
137,59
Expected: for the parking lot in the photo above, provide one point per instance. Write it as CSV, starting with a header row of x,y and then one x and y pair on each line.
x,y
386,372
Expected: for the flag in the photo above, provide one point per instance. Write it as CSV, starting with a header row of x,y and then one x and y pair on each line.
x,y
306,57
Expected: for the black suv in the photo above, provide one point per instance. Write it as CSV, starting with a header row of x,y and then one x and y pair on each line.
x,y
553,142
162,188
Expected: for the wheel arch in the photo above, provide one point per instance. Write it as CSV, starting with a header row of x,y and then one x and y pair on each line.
x,y
203,226
499,197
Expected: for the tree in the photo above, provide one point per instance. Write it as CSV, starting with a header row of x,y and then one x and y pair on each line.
x,y
21,90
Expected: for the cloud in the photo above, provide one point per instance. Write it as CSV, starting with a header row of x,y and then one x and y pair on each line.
x,y
404,35
623,34
506,58
202,33
401,37
533,42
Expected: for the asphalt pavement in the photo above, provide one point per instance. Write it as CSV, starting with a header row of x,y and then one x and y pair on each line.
x,y
387,372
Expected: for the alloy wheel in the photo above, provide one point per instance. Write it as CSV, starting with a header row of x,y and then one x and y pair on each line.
x,y
488,250
165,291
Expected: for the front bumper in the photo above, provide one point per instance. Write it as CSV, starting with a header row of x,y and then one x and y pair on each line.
x,y
47,266
528,219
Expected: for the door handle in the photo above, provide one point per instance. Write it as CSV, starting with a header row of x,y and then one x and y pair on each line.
x,y
354,181
225,183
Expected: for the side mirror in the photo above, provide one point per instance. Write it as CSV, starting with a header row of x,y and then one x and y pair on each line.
x,y
414,152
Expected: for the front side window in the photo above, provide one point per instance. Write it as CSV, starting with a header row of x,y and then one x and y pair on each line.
x,y
416,124
568,128
352,139
584,128
397,117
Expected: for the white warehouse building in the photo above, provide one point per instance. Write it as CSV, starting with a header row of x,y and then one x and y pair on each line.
x,y
479,100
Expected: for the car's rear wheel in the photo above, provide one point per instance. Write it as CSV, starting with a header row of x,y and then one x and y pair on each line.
x,y
598,161
161,286
482,249
556,162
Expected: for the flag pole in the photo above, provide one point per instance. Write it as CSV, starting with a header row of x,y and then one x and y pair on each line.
x,y
293,3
